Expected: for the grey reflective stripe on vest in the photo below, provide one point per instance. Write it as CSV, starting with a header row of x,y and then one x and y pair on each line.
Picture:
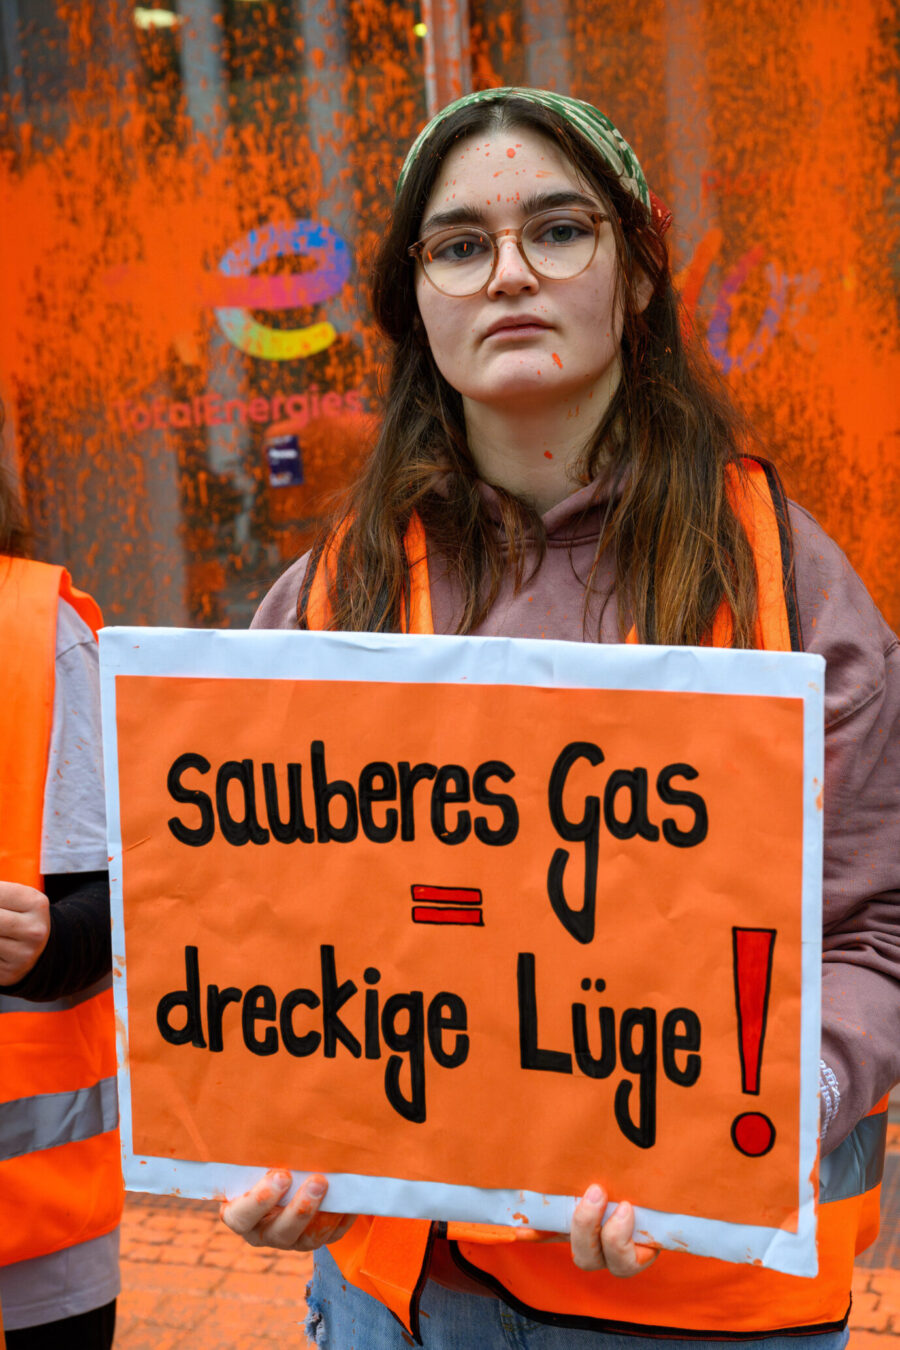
x,y
9,1004
53,1118
857,1164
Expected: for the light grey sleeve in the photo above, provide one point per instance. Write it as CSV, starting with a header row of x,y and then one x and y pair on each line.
x,y
74,830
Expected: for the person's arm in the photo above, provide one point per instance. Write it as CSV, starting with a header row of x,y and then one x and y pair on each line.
x,y
861,940
56,943
860,1056
278,608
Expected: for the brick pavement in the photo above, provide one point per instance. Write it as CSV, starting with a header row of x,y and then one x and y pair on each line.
x,y
188,1282
190,1285
876,1281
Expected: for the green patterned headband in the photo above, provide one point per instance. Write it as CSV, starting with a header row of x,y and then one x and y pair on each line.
x,y
587,120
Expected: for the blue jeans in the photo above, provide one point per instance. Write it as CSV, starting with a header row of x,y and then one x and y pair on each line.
x,y
342,1317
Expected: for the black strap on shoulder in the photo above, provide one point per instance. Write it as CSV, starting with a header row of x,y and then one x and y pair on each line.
x,y
309,577
786,539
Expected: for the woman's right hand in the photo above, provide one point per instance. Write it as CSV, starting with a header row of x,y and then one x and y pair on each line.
x,y
260,1219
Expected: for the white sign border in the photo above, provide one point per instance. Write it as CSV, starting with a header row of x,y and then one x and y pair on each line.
x,y
395,658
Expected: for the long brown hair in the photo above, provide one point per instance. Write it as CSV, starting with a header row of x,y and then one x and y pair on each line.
x,y
664,443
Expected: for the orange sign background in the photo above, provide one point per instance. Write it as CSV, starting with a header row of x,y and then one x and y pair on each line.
x,y
259,914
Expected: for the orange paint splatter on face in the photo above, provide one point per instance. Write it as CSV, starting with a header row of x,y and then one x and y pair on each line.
x,y
510,154
557,360
548,454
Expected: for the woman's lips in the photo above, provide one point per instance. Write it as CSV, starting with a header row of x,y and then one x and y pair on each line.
x,y
526,328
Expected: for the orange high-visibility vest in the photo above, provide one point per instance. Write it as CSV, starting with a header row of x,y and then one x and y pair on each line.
x,y
60,1174
679,1295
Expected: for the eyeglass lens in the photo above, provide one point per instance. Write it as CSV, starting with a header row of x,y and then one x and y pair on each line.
x,y
556,245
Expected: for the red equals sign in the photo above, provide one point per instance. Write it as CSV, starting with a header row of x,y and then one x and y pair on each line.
x,y
447,904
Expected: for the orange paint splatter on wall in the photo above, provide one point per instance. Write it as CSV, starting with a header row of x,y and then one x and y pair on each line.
x,y
142,425
147,438
787,248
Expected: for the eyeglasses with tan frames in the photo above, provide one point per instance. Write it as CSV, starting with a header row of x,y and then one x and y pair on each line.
x,y
558,244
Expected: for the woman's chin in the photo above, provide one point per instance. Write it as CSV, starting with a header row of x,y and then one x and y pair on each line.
x,y
522,387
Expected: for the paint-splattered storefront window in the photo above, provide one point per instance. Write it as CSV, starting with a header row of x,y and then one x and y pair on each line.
x,y
191,193
770,131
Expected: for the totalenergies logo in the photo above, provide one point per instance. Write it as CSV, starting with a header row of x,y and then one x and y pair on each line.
x,y
306,239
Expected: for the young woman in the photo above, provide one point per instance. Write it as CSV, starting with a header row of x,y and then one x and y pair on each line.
x,y
558,460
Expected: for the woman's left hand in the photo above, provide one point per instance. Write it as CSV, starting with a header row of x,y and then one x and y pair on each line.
x,y
607,1246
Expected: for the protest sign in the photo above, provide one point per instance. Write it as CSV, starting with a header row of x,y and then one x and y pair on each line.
x,y
467,924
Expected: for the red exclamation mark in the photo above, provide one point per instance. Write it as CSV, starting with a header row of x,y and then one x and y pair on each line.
x,y
752,1133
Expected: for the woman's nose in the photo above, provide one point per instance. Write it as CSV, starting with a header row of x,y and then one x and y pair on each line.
x,y
512,275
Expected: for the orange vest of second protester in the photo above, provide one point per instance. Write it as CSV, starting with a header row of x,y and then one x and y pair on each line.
x,y
60,1171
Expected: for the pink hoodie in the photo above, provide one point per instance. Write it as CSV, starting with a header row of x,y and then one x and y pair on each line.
x,y
861,970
